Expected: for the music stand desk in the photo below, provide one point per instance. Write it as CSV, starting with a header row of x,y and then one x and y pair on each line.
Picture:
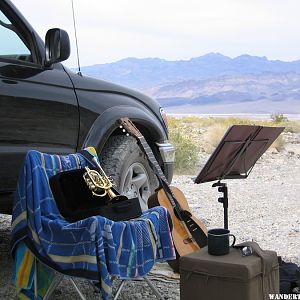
x,y
236,155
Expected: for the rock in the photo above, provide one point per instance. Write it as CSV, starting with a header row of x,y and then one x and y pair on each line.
x,y
293,149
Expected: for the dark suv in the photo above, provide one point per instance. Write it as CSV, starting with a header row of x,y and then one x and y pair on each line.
x,y
45,106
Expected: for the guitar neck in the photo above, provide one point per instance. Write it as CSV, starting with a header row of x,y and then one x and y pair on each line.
x,y
157,169
127,125
152,158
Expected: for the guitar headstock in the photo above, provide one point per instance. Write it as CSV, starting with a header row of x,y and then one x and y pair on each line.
x,y
127,126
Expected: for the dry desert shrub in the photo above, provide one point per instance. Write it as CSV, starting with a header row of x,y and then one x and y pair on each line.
x,y
291,126
212,137
186,152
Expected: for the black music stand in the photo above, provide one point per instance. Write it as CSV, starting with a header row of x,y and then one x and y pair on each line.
x,y
235,156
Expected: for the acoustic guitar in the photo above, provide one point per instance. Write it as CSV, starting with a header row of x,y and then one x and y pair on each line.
x,y
189,234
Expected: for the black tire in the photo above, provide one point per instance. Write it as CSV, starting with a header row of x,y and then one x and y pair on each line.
x,y
124,161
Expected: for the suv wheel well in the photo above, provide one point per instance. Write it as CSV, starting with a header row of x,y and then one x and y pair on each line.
x,y
150,138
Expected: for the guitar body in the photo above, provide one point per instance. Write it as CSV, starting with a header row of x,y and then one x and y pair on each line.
x,y
183,241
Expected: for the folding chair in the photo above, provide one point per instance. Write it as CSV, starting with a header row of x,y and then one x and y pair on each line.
x,y
94,248
59,277
145,278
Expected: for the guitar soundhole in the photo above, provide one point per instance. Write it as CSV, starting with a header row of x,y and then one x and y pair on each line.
x,y
188,241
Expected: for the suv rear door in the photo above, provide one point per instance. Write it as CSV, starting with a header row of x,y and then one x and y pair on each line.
x,y
38,106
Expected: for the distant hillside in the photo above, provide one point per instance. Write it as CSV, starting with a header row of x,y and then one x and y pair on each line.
x,y
148,72
210,83
271,86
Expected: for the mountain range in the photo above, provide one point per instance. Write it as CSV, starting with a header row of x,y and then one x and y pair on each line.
x,y
212,83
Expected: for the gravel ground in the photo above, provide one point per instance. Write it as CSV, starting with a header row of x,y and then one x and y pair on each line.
x,y
264,207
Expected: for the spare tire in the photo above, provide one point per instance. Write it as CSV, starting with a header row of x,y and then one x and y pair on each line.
x,y
124,161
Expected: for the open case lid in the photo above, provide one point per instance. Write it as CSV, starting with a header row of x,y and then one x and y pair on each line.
x,y
238,151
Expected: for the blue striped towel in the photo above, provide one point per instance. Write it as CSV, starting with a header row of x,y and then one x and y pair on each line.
x,y
95,248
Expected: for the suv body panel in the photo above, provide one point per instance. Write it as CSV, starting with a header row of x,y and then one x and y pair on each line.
x,y
57,111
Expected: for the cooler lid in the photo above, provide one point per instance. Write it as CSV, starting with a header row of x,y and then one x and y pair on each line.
x,y
232,265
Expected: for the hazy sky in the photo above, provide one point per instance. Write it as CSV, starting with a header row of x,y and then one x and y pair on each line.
x,y
171,29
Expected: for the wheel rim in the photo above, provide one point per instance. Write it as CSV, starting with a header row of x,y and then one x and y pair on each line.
x,y
136,184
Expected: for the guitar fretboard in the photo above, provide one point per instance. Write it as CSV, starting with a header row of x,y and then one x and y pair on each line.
x,y
152,158
157,169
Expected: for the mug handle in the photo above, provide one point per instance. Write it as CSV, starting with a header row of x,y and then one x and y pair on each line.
x,y
233,240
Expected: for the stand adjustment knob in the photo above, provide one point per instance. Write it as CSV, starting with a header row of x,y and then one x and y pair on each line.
x,y
222,189
221,199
